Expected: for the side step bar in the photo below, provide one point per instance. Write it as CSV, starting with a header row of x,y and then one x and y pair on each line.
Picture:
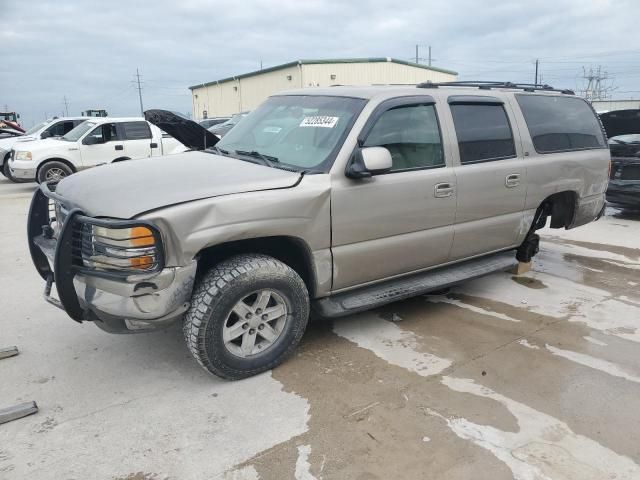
x,y
380,294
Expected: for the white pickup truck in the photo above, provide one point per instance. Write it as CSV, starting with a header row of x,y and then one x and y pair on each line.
x,y
94,142
54,127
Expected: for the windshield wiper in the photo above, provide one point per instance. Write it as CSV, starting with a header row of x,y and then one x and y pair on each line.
x,y
218,150
267,159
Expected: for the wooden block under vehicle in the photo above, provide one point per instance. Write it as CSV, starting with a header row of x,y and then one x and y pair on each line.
x,y
521,268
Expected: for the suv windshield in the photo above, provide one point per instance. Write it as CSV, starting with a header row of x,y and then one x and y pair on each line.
x,y
75,134
35,128
298,130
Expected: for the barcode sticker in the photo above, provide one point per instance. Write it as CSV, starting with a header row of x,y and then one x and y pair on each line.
x,y
319,121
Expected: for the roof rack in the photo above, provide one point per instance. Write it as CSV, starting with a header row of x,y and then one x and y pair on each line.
x,y
527,87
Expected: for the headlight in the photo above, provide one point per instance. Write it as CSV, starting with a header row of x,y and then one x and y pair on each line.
x,y
23,155
133,249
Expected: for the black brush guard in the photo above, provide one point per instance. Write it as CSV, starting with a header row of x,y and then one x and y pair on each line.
x,y
66,264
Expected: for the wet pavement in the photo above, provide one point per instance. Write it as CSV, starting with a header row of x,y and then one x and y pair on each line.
x,y
530,377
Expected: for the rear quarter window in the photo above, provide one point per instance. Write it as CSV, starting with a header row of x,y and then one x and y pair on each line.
x,y
136,130
561,124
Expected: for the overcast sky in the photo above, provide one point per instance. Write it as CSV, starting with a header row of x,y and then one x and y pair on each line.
x,y
88,50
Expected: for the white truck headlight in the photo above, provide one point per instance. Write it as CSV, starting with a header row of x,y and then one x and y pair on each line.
x,y
23,155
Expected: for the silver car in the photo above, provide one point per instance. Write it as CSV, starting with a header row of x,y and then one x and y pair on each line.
x,y
337,200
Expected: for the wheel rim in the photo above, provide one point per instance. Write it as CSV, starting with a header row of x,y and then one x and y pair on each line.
x,y
255,323
55,173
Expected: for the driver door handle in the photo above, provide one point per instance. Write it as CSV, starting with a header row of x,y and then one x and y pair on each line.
x,y
443,190
512,180
119,147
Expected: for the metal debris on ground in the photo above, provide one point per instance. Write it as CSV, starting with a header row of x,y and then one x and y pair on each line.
x,y
8,352
17,411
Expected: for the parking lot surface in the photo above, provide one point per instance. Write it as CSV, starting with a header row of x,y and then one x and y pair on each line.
x,y
531,377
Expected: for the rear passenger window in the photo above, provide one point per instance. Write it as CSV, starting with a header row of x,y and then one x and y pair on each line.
x,y
560,124
136,130
411,134
483,132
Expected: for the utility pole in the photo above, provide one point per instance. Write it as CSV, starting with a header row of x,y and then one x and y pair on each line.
x,y
537,64
140,92
417,55
429,55
66,106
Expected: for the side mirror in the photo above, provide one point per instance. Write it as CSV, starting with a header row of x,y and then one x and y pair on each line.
x,y
91,140
44,135
368,161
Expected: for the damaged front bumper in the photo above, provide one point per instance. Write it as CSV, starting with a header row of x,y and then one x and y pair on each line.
x,y
115,303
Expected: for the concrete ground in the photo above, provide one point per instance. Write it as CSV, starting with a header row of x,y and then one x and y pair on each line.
x,y
533,377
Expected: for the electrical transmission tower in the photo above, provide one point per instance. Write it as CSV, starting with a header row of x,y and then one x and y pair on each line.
x,y
596,88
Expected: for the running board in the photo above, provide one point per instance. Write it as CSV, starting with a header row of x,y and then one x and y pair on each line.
x,y
389,291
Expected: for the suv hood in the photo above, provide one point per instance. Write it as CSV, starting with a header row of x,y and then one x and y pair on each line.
x,y
7,143
128,189
187,132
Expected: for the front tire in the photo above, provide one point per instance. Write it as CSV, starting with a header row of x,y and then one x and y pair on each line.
x,y
247,315
53,171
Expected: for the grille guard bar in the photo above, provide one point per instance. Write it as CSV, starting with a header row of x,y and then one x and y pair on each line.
x,y
64,267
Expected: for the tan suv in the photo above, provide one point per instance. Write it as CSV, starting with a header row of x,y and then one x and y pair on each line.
x,y
337,199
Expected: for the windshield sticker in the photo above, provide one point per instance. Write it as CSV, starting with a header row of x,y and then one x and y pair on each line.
x,y
319,121
272,129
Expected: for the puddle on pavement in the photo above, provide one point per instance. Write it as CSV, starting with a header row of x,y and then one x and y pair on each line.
x,y
529,282
371,408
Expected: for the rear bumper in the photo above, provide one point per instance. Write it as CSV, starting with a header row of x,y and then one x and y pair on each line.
x,y
117,304
624,192
588,209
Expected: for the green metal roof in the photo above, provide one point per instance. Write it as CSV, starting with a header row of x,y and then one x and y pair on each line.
x,y
328,60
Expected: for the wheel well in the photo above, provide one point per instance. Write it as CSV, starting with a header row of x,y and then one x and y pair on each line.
x,y
62,160
292,251
560,207
121,159
5,158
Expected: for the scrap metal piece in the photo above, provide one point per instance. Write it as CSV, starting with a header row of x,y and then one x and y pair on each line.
x,y
8,352
17,411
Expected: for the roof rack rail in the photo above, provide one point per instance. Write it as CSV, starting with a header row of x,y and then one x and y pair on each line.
x,y
483,85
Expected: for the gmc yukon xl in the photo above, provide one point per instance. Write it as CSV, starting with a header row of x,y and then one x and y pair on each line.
x,y
334,199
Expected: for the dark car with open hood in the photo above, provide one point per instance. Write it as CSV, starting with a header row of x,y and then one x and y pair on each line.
x,y
623,130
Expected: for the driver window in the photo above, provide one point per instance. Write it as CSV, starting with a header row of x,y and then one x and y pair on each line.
x,y
104,133
412,136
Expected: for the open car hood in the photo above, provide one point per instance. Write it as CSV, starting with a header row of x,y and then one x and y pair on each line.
x,y
621,122
186,131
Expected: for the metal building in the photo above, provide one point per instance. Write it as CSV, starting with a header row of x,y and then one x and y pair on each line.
x,y
245,92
